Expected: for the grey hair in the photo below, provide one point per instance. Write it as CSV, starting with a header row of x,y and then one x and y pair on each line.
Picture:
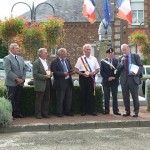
x,y
86,46
41,50
12,45
61,50
124,45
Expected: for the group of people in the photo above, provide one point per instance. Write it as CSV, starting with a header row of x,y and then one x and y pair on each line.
x,y
87,66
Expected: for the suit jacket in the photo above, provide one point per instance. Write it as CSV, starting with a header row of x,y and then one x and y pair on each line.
x,y
58,72
38,75
14,70
135,59
106,72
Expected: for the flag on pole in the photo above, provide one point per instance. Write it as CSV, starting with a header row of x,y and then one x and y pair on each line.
x,y
106,10
124,10
88,10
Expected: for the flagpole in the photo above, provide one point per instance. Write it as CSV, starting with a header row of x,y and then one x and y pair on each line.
x,y
98,14
120,34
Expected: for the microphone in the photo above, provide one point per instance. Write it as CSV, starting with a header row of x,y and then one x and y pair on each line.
x,y
123,57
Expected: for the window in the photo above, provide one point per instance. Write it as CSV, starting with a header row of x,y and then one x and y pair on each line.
x,y
137,7
1,66
53,52
148,71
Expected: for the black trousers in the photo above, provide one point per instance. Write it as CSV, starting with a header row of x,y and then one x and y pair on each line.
x,y
64,98
14,94
87,99
114,90
43,100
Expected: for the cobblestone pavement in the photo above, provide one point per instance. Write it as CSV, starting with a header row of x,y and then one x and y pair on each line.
x,y
93,139
143,115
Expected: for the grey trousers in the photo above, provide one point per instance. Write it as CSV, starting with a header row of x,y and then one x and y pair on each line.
x,y
130,87
43,100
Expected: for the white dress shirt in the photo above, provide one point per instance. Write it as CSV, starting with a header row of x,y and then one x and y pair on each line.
x,y
92,61
44,63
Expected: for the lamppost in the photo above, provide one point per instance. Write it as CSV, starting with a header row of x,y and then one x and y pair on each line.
x,y
33,9
144,22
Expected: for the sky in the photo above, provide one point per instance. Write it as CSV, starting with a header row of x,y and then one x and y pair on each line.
x,y
6,6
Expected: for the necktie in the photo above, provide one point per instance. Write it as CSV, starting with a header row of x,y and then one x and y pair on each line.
x,y
17,60
64,66
127,66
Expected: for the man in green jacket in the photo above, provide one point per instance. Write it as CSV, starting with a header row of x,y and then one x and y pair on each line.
x,y
42,83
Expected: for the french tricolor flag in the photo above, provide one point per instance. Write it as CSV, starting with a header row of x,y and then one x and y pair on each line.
x,y
124,10
88,10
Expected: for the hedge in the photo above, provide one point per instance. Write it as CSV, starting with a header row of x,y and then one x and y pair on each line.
x,y
28,100
148,98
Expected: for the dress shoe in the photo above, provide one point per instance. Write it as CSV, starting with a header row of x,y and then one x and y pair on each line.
x,y
45,116
126,114
94,114
18,116
83,114
135,115
117,113
69,114
38,117
59,115
105,113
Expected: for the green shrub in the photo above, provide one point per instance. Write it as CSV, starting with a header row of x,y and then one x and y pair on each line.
x,y
3,92
28,101
5,111
148,98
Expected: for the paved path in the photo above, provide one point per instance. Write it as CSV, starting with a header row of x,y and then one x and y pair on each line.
x,y
143,115
76,122
96,139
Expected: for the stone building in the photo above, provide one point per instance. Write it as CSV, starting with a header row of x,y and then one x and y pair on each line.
x,y
79,31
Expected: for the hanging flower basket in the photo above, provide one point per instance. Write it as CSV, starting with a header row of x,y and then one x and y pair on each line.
x,y
11,27
33,38
138,37
53,30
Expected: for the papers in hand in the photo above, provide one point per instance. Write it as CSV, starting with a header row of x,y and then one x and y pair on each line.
x,y
49,73
134,68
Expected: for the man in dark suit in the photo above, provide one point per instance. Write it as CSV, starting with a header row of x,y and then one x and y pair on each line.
x,y
62,71
42,84
110,80
130,78
15,76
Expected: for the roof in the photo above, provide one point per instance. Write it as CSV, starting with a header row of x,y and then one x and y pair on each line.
x,y
69,10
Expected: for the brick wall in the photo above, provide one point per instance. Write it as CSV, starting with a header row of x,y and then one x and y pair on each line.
x,y
78,34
